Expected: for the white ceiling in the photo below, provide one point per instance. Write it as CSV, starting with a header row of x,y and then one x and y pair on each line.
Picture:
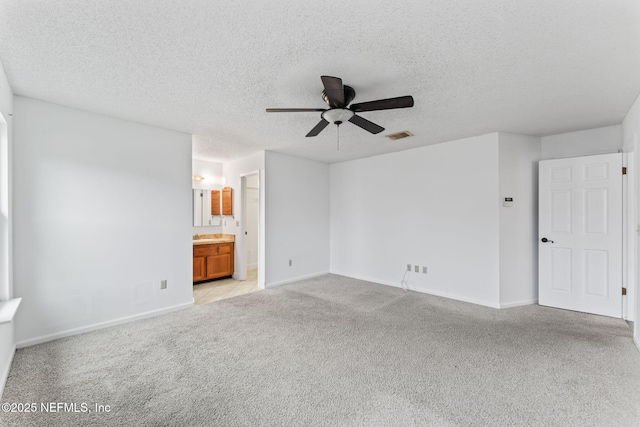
x,y
536,67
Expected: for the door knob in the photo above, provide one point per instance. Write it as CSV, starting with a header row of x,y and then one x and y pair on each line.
x,y
545,240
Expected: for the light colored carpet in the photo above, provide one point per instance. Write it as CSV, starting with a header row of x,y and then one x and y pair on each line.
x,y
339,352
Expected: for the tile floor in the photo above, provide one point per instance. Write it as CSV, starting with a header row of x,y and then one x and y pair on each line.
x,y
216,290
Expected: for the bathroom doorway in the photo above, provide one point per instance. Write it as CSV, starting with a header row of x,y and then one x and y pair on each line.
x,y
251,232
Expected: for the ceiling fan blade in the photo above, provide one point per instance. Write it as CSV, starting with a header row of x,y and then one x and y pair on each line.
x,y
334,90
318,128
383,104
293,110
366,124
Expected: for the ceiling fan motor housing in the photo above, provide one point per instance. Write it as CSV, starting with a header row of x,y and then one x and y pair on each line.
x,y
349,95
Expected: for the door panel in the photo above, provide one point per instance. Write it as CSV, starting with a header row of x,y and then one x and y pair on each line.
x,y
561,211
561,269
219,266
580,216
198,269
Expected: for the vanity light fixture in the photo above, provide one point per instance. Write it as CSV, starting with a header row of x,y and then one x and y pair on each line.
x,y
198,178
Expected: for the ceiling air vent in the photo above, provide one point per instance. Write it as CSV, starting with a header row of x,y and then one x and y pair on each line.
x,y
399,135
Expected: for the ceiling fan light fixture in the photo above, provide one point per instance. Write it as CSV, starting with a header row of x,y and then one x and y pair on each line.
x,y
337,115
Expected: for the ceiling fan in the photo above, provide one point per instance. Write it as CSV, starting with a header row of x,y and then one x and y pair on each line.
x,y
338,96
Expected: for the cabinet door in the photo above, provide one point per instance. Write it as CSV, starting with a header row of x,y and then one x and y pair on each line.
x,y
219,266
227,201
215,202
198,268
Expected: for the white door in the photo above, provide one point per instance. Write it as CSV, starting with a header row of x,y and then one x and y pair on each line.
x,y
580,234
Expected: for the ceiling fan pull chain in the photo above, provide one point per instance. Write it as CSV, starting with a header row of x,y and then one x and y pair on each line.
x,y
338,135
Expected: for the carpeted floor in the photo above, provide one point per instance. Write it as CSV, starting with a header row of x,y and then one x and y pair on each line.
x,y
338,352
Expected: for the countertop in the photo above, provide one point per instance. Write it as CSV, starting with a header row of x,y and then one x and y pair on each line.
x,y
211,239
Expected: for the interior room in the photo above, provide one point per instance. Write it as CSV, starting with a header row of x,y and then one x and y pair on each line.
x,y
249,213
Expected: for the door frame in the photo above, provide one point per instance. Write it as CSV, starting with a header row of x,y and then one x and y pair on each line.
x,y
629,236
242,264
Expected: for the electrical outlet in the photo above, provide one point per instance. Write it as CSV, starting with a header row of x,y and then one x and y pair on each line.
x,y
163,284
408,267
290,263
237,223
424,270
417,269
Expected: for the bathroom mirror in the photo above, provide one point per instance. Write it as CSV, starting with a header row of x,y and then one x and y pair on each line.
x,y
206,207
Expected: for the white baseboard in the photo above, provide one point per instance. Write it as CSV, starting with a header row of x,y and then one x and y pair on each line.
x,y
5,371
102,325
252,266
635,340
519,303
423,290
295,279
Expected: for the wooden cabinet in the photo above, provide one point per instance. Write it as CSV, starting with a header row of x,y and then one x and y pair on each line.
x,y
212,261
198,269
227,201
215,202
221,201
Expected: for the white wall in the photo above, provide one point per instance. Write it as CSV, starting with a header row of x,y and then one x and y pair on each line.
x,y
582,143
102,214
7,341
630,133
433,206
519,156
297,218
233,173
210,171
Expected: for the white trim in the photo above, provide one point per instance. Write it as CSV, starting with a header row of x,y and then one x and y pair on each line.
x,y
255,172
631,246
8,309
253,266
637,343
102,325
629,236
295,279
5,371
423,290
519,303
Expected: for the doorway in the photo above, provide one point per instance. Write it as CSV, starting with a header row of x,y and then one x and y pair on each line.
x,y
251,229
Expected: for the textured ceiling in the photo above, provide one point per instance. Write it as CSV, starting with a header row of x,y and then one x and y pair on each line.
x,y
210,68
